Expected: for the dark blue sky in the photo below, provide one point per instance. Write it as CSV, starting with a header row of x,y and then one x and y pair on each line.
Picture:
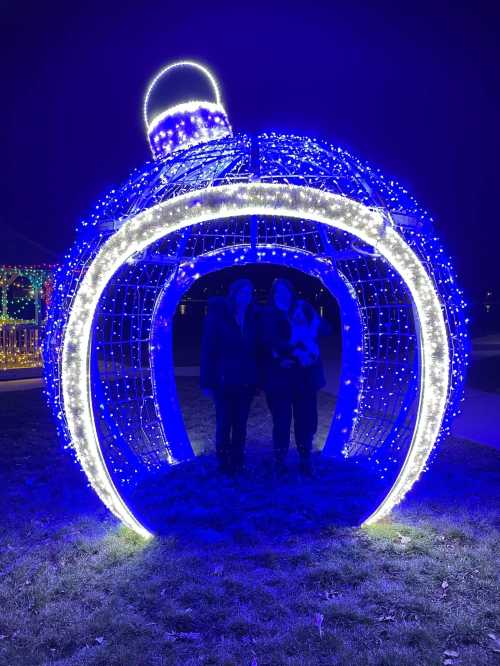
x,y
412,87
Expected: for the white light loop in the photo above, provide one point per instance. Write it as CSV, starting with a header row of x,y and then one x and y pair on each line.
x,y
167,68
267,199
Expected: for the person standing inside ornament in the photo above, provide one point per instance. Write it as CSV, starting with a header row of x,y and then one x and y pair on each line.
x,y
228,370
292,371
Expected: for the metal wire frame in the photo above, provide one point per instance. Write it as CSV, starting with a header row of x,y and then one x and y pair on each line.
x,y
268,157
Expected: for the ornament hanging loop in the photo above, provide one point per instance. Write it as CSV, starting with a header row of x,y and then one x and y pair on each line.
x,y
168,68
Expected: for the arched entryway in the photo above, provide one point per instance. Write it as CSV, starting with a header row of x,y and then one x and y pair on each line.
x,y
85,410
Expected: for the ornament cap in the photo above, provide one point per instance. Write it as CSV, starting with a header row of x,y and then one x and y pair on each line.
x,y
187,123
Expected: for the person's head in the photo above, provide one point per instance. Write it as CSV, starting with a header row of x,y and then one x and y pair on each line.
x,y
303,313
282,294
240,294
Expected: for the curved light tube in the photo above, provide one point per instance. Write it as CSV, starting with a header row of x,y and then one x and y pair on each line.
x,y
167,68
267,199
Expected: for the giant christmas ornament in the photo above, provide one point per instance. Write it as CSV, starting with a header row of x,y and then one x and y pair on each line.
x,y
212,198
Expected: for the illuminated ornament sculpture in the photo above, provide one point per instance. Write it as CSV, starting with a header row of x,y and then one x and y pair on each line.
x,y
210,200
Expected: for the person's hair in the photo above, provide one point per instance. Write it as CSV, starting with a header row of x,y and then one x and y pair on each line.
x,y
234,288
309,312
284,283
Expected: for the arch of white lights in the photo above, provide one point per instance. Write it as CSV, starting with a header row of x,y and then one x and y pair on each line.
x,y
266,199
175,65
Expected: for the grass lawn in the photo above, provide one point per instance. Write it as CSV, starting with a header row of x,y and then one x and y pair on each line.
x,y
262,578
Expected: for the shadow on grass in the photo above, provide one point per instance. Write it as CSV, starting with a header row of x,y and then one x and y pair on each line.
x,y
194,502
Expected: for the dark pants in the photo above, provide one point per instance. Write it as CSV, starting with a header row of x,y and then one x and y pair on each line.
x,y
301,403
232,406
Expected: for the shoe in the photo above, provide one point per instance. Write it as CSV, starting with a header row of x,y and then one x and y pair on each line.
x,y
305,468
224,469
280,468
235,471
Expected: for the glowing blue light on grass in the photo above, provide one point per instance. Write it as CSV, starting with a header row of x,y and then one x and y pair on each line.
x,y
219,200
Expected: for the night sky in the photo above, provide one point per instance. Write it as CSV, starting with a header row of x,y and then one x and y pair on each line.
x,y
411,87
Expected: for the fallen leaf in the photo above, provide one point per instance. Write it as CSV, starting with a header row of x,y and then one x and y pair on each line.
x,y
450,653
445,585
495,646
318,620
404,539
182,635
331,594
100,640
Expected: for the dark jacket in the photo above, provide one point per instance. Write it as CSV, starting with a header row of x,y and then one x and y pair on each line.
x,y
274,348
228,353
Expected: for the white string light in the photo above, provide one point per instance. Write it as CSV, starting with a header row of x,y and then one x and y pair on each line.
x,y
240,200
168,68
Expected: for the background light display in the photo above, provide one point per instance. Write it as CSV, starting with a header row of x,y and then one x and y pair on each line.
x,y
239,200
25,292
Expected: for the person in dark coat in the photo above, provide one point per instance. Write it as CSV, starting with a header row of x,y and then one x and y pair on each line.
x,y
291,371
228,370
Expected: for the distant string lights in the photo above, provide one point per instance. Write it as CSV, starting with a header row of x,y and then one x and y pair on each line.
x,y
24,293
